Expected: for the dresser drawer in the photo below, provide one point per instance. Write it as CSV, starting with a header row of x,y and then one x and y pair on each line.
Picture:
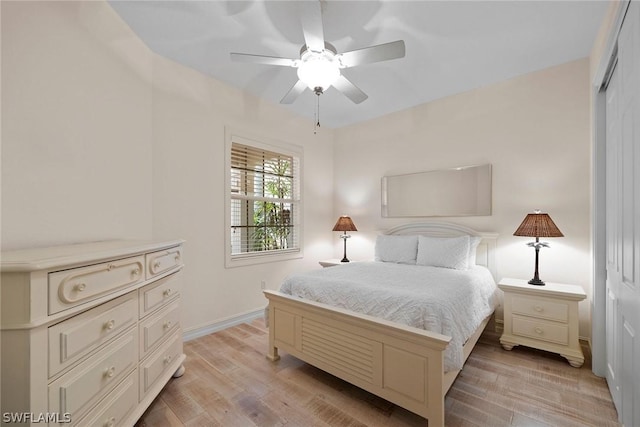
x,y
540,308
158,326
158,293
72,339
159,362
541,330
69,288
112,410
79,389
163,261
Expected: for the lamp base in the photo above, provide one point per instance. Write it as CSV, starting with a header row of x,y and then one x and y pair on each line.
x,y
344,259
535,281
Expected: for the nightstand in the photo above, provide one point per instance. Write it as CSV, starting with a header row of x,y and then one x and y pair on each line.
x,y
542,317
331,262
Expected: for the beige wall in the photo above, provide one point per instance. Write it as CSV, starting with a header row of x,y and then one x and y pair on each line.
x,y
76,125
534,130
103,139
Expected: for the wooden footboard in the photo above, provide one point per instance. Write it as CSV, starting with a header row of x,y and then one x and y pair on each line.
x,y
401,364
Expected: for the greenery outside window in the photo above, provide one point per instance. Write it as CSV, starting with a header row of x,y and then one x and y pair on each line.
x,y
264,202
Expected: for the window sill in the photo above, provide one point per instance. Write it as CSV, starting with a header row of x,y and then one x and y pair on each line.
x,y
233,261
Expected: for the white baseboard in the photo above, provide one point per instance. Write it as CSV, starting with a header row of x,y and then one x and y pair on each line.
x,y
200,331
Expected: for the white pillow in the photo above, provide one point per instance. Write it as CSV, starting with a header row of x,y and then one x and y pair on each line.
x,y
398,249
448,252
474,241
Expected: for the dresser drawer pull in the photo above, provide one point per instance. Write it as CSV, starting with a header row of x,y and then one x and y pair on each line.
x,y
167,293
110,267
110,325
156,265
538,309
80,287
177,257
135,271
539,330
110,422
167,360
109,373
167,324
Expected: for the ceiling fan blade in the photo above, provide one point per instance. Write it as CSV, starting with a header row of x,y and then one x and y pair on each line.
x,y
350,90
294,92
260,59
311,19
368,55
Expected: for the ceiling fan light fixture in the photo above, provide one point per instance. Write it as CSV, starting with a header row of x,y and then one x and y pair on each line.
x,y
318,69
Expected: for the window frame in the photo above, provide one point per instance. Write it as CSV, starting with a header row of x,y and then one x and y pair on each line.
x,y
259,257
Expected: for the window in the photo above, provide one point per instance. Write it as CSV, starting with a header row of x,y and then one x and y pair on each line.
x,y
264,202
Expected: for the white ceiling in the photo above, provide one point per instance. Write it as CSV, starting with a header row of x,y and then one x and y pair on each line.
x,y
451,46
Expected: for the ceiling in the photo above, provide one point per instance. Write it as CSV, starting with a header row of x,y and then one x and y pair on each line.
x,y
451,46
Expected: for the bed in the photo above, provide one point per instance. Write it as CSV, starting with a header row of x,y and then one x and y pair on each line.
x,y
400,362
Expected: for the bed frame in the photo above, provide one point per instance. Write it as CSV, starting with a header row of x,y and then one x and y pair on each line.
x,y
399,363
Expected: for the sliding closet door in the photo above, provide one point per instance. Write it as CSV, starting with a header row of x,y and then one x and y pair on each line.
x,y
623,222
613,240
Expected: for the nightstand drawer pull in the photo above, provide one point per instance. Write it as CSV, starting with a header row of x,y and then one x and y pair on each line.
x,y
538,309
539,331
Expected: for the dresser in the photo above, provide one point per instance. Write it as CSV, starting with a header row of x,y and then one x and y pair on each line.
x,y
542,317
90,333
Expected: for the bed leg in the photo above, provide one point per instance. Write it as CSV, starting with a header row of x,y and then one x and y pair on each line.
x,y
273,354
436,420
436,416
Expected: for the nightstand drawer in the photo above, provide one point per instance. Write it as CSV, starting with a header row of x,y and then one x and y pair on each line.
x,y
540,308
541,330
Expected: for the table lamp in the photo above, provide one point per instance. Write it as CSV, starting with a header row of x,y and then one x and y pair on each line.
x,y
344,224
538,225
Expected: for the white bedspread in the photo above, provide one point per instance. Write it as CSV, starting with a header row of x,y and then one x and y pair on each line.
x,y
447,301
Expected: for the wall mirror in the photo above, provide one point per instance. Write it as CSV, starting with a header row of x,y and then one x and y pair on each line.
x,y
463,191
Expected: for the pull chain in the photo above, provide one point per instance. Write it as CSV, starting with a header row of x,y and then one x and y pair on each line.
x,y
318,92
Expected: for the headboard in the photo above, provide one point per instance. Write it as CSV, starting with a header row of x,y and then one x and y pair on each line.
x,y
486,252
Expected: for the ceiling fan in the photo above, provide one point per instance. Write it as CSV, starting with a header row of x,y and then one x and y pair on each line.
x,y
319,64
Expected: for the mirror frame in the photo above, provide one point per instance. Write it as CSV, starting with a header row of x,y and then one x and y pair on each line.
x,y
460,191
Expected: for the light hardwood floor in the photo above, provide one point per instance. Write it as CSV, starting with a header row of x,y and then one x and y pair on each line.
x,y
229,382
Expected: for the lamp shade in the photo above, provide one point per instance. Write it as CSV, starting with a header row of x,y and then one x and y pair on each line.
x,y
538,225
344,223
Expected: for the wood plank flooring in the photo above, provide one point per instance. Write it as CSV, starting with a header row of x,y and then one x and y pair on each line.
x,y
229,382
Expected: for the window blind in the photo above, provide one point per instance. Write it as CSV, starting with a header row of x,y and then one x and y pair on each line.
x,y
265,201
